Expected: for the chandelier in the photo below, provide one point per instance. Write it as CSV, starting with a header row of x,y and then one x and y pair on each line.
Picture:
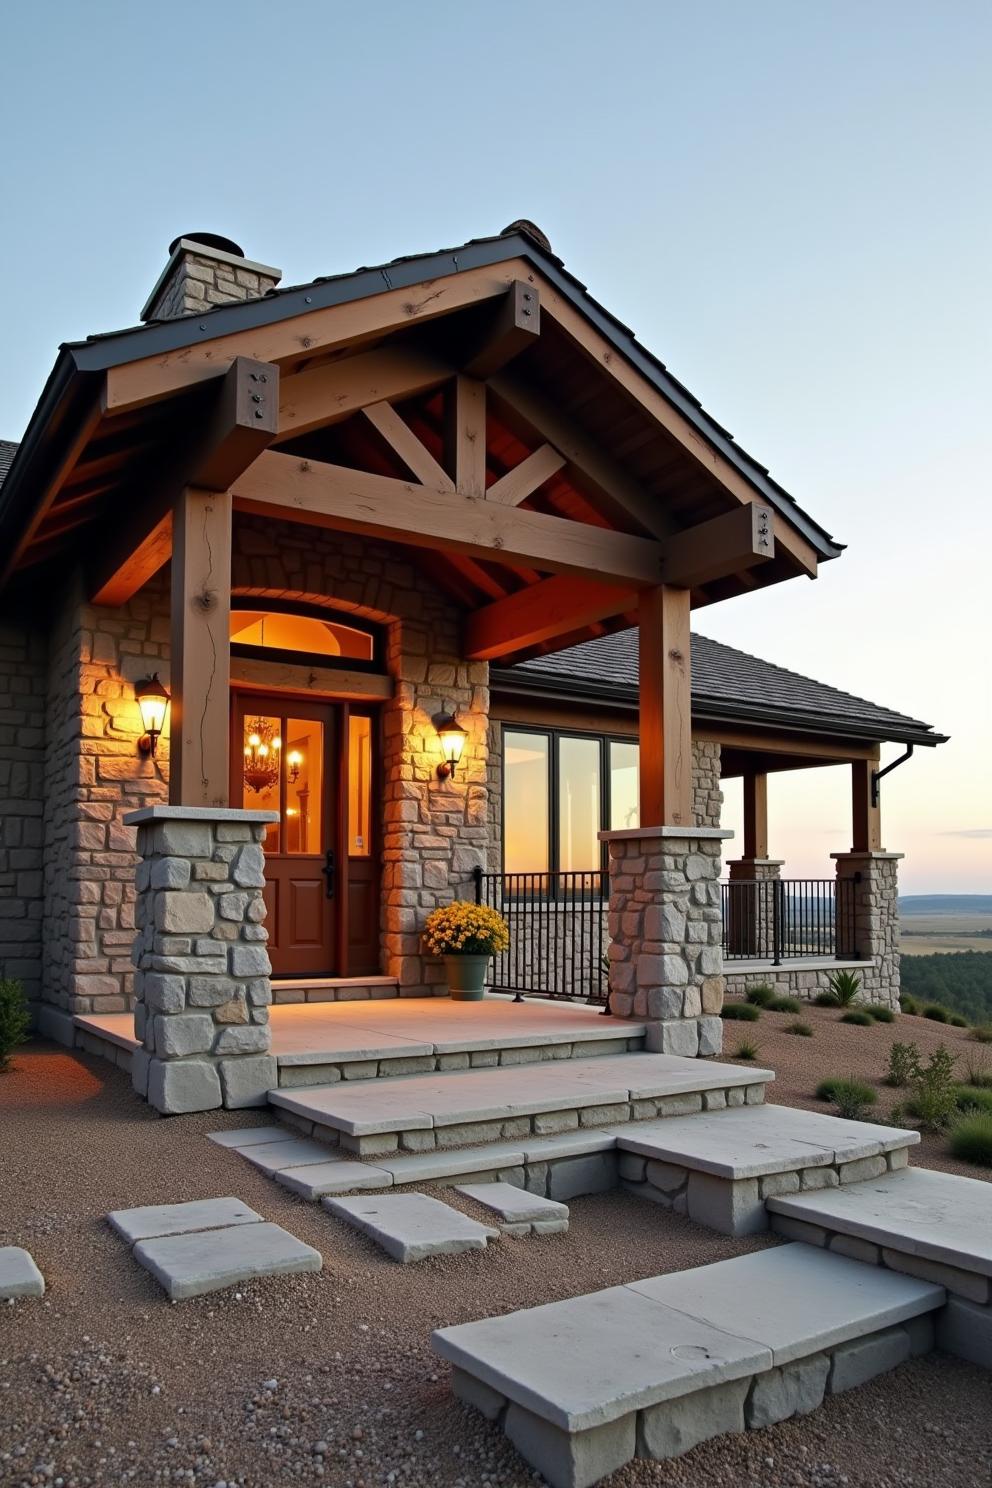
x,y
263,752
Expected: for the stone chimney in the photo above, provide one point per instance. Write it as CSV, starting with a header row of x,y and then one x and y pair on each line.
x,y
205,270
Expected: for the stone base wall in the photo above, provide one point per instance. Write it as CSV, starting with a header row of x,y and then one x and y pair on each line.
x,y
202,967
23,654
666,958
875,928
802,984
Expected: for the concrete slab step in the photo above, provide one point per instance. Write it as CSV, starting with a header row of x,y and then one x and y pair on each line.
x,y
654,1368
19,1274
411,1227
459,1108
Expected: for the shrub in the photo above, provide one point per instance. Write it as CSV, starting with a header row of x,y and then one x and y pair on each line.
x,y
933,1102
904,1064
845,985
882,1014
801,1030
762,996
852,1098
971,1140
936,1013
973,1098
956,1021
978,1071
982,1034
746,1049
909,1005
13,1018
824,999
741,1012
784,1005
825,1089
863,1020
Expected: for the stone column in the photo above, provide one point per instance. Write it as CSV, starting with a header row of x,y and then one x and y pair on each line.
x,y
202,967
751,905
666,935
867,920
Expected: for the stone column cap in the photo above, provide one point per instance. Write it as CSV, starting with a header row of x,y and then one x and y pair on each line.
x,y
639,834
760,862
197,814
879,857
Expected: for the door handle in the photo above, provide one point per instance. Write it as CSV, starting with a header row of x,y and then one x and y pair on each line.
x,y
329,871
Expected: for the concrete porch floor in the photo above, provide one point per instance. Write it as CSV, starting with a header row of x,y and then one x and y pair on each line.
x,y
332,1032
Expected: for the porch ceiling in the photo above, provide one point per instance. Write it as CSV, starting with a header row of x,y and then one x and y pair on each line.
x,y
588,437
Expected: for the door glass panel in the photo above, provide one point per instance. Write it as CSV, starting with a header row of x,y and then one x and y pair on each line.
x,y
578,804
525,802
280,632
262,767
303,769
359,786
625,799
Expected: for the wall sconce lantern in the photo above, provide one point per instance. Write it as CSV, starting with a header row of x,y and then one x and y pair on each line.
x,y
452,737
153,704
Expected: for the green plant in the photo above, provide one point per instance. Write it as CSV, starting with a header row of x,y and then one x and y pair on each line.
x,y
824,999
936,1013
13,1018
762,996
746,1049
973,1098
825,1089
933,1102
845,986
862,1019
801,1030
852,1098
971,1140
882,1014
465,929
785,1005
741,1012
956,1021
909,1005
982,1034
904,1063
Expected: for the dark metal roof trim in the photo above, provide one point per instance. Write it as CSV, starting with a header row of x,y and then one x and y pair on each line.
x,y
117,347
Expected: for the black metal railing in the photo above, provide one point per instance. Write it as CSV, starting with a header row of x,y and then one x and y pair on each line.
x,y
778,919
558,937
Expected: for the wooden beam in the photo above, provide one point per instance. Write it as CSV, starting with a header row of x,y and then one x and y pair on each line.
x,y
739,539
199,758
665,713
524,479
239,423
310,334
515,326
403,442
624,496
866,819
315,681
828,750
465,436
541,612
756,815
284,486
58,478
325,395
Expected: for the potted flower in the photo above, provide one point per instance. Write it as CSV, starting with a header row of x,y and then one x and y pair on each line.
x,y
467,936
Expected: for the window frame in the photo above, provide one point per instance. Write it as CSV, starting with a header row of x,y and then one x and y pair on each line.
x,y
377,634
553,734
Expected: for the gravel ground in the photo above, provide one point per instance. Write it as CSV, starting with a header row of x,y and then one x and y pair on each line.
x,y
330,1378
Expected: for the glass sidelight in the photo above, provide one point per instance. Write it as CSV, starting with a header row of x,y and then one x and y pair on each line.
x,y
283,771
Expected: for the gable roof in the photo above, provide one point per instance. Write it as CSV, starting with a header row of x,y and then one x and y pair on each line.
x,y
726,684
84,359
7,452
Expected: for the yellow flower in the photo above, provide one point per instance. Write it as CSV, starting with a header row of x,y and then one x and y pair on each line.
x,y
467,929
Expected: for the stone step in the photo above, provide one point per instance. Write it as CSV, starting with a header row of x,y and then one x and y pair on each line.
x,y
412,1227
936,1226
333,989
719,1167
463,1108
653,1368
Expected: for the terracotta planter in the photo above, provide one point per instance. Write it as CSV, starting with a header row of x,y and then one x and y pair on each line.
x,y
466,977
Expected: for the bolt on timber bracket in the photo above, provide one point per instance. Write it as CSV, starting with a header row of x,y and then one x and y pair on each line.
x,y
876,775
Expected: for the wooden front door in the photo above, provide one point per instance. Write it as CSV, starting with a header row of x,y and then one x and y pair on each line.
x,y
316,765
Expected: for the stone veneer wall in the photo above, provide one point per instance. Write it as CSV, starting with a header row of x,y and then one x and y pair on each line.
x,y
94,775
22,793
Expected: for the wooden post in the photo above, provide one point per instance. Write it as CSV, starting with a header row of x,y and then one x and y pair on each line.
x,y
756,815
866,819
665,708
465,436
201,649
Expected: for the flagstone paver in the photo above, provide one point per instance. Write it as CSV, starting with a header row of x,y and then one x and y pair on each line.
x,y
411,1227
19,1275
520,1212
152,1220
207,1260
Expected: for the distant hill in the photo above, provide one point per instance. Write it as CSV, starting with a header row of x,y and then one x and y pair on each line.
x,y
945,904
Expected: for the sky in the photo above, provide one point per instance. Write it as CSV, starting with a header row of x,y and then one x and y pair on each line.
x,y
789,203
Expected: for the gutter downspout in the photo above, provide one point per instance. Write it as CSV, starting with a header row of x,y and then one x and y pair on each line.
x,y
876,775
